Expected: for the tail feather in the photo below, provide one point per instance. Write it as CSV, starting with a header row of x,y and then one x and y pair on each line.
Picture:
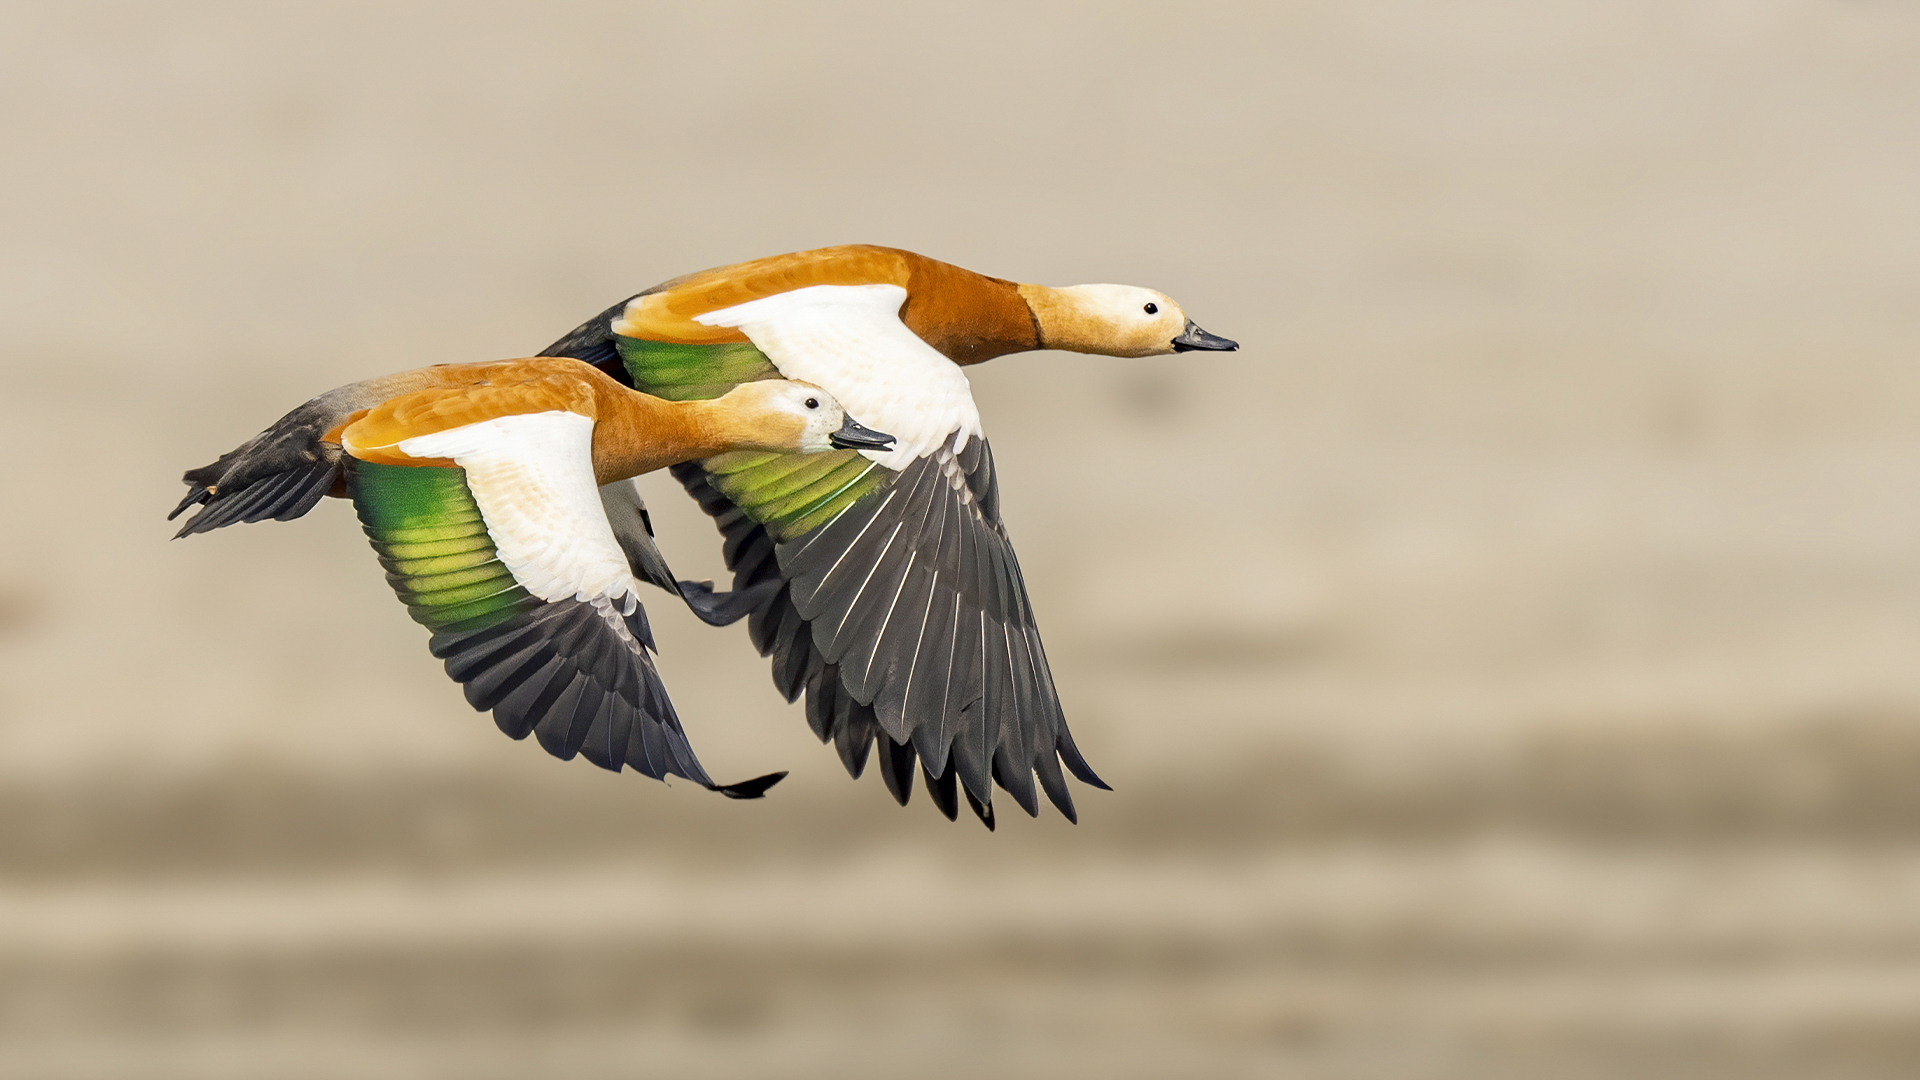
x,y
281,496
283,471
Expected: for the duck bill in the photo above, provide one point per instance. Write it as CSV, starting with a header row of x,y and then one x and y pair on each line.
x,y
854,435
1194,339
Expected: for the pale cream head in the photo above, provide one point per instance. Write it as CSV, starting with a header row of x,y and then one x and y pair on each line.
x,y
790,416
1112,320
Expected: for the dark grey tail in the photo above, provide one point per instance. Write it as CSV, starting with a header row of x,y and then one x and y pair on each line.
x,y
281,496
281,472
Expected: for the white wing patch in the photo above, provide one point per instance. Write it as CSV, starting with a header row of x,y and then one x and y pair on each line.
x,y
532,476
849,340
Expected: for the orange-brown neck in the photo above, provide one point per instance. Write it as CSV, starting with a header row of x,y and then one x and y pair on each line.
x,y
637,433
968,317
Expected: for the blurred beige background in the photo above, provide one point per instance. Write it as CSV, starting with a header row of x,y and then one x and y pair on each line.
x,y
1506,662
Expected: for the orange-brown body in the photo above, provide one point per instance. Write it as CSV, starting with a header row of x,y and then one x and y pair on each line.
x,y
633,433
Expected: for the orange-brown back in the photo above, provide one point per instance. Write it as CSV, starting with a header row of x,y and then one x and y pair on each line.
x,y
967,316
470,394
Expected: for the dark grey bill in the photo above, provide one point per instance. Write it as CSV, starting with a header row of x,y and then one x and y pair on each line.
x,y
854,435
1193,338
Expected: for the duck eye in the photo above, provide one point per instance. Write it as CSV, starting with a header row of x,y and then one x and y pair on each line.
x,y
813,403
1153,309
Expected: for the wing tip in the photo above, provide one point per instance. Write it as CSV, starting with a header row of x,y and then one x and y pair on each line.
x,y
1076,764
981,810
896,768
755,788
942,789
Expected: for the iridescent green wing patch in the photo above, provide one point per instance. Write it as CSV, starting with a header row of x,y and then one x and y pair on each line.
x,y
790,494
689,372
430,536
794,494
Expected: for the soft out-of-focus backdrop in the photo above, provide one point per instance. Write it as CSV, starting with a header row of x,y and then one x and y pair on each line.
x,y
1506,661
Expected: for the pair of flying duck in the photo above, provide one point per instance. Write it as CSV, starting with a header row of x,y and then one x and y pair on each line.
x,y
869,561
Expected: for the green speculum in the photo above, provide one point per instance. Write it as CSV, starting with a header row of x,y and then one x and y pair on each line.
x,y
692,372
790,494
428,532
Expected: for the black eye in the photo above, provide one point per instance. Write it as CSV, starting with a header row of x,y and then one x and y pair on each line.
x,y
1153,309
813,403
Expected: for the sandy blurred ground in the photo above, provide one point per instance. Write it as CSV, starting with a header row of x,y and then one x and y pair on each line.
x,y
1505,662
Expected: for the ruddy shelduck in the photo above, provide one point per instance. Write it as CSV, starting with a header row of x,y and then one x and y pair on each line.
x,y
499,500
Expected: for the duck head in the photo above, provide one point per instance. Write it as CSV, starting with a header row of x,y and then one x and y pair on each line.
x,y
1116,320
790,416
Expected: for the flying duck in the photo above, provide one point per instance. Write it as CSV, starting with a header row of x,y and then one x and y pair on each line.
x,y
497,496
882,582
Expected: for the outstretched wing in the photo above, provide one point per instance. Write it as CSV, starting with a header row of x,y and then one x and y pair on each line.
x,y
892,595
905,620
531,608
